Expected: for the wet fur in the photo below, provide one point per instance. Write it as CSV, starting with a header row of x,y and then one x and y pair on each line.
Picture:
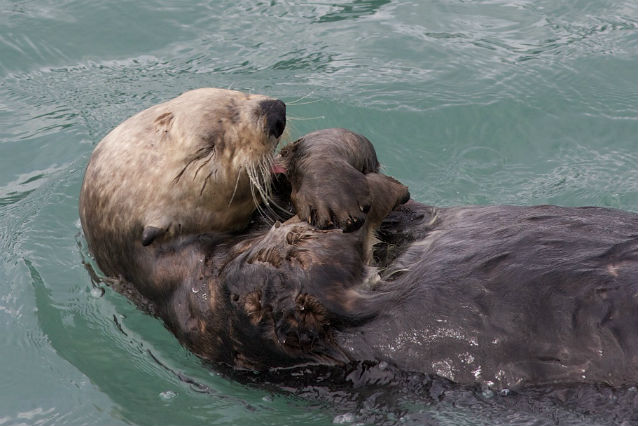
x,y
197,163
505,295
500,295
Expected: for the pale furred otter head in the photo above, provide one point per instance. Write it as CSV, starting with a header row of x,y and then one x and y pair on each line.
x,y
198,163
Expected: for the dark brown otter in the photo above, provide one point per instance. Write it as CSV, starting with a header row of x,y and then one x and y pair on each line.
x,y
500,295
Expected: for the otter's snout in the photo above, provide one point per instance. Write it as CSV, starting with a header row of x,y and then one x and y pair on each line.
x,y
275,112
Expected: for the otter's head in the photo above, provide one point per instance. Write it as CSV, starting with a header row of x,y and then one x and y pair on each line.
x,y
198,163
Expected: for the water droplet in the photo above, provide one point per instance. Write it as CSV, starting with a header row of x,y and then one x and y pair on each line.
x,y
383,365
486,392
167,395
505,392
97,292
267,398
343,419
195,290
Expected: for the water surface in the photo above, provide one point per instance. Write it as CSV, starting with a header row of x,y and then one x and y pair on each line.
x,y
467,102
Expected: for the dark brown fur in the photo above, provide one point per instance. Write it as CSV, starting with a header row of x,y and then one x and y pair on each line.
x,y
499,295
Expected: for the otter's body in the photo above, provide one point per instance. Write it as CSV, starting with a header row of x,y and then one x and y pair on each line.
x,y
510,295
499,295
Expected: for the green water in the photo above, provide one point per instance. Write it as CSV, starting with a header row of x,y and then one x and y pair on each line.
x,y
467,102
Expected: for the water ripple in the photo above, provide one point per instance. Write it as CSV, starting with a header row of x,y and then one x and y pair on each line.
x,y
497,101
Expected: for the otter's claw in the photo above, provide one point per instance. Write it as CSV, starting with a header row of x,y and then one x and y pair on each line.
x,y
333,196
327,171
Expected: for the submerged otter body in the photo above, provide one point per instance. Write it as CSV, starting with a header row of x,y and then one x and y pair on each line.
x,y
499,295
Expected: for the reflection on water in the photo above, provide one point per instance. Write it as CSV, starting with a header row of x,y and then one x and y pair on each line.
x,y
350,10
503,101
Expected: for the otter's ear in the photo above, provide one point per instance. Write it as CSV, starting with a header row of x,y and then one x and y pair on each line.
x,y
150,233
163,122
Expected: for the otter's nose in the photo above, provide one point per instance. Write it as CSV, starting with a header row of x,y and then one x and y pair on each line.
x,y
275,112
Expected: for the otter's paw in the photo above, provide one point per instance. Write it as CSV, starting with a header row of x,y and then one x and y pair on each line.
x,y
302,325
333,196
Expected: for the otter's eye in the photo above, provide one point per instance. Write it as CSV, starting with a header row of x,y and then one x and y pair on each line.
x,y
210,142
213,138
203,152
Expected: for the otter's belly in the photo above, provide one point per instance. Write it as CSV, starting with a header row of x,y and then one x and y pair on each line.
x,y
510,295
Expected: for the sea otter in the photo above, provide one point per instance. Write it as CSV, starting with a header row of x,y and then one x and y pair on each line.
x,y
173,203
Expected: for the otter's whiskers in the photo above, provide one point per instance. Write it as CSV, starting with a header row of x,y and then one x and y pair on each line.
x,y
260,176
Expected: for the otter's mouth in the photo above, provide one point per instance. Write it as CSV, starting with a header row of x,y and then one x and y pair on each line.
x,y
278,169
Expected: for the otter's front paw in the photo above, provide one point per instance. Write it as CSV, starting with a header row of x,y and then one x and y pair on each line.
x,y
335,195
